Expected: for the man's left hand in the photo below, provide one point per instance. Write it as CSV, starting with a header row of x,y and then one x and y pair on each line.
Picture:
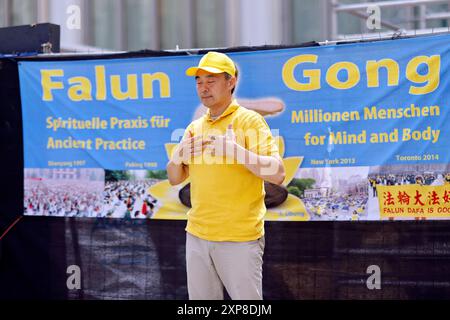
x,y
222,145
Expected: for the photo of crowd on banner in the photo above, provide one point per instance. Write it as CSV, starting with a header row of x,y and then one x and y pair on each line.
x,y
411,191
426,179
92,193
338,193
351,193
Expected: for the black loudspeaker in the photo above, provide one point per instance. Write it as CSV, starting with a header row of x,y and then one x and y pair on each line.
x,y
41,38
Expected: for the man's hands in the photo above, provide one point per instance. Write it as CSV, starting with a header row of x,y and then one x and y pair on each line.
x,y
269,168
189,148
222,145
214,145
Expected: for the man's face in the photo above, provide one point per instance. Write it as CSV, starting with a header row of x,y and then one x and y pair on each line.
x,y
214,89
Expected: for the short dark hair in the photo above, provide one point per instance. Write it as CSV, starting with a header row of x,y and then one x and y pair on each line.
x,y
228,77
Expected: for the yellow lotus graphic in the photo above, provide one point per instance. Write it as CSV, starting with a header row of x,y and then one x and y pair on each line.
x,y
292,209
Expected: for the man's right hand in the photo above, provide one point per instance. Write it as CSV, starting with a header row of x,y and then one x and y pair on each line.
x,y
188,148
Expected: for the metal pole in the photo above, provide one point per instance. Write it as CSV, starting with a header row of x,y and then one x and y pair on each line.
x,y
332,26
120,25
422,16
438,16
42,11
6,12
385,4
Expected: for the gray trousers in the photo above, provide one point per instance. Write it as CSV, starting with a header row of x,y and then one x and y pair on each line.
x,y
211,265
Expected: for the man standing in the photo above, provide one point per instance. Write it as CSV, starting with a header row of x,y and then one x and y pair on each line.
x,y
227,153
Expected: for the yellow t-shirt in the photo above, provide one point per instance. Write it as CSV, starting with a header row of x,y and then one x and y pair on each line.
x,y
228,199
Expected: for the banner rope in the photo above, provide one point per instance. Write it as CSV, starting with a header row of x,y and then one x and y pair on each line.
x,y
10,227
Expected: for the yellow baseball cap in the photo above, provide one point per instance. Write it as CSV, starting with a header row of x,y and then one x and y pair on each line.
x,y
214,62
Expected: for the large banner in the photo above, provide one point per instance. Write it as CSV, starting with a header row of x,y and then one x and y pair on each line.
x,y
362,129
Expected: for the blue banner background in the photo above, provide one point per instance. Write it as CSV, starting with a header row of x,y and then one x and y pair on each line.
x,y
260,76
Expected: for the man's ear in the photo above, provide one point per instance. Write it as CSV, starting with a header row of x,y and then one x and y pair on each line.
x,y
233,81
